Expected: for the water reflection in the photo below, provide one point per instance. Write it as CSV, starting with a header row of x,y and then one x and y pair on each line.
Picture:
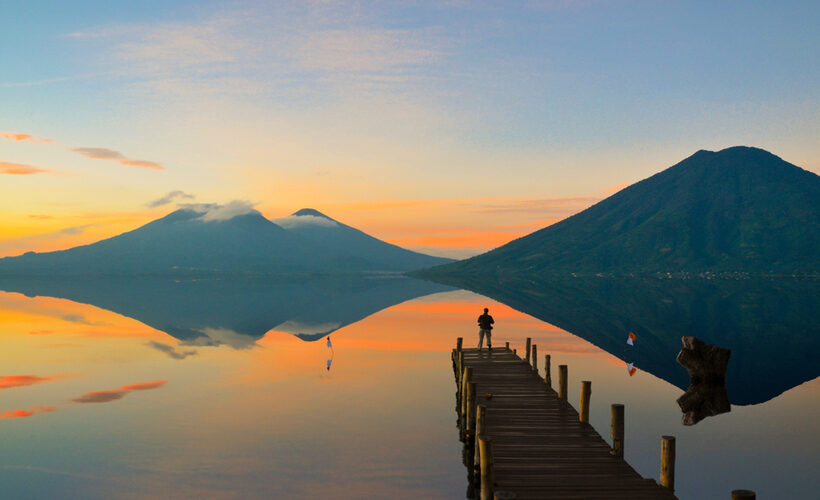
x,y
233,312
764,322
706,395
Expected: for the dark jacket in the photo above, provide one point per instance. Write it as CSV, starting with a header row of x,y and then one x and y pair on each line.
x,y
485,321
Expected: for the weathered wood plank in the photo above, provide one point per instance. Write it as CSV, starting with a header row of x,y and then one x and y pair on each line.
x,y
541,446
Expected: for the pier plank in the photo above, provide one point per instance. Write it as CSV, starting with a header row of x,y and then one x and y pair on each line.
x,y
540,448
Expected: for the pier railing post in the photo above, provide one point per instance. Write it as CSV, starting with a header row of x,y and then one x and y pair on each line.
x,y
743,495
485,447
507,347
480,430
586,392
529,347
547,375
471,409
617,430
465,379
535,358
562,382
667,477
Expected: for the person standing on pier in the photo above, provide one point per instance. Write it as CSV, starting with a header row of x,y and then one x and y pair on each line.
x,y
485,325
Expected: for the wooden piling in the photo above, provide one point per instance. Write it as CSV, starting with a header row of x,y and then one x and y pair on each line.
x,y
471,408
480,430
586,392
529,348
535,358
465,379
667,477
617,430
743,495
514,352
547,375
562,382
459,342
485,451
507,347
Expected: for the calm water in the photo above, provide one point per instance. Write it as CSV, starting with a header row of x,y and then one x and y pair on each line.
x,y
217,399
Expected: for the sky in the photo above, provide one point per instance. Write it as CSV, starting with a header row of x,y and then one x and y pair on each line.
x,y
449,127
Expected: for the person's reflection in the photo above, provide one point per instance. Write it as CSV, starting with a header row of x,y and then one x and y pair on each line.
x,y
706,395
330,359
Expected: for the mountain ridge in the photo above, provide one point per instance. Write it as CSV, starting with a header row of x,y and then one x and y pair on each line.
x,y
740,209
212,239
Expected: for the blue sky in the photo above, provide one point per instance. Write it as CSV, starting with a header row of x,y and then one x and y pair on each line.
x,y
337,104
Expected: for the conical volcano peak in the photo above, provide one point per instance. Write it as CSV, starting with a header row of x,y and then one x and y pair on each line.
x,y
309,211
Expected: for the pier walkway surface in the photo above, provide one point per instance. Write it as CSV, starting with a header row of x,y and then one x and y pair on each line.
x,y
534,444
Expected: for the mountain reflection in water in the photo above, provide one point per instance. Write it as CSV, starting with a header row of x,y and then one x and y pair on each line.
x,y
235,312
766,323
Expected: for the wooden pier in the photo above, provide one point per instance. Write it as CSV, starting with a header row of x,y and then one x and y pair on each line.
x,y
524,441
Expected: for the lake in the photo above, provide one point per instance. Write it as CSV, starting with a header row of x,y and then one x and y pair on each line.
x,y
215,389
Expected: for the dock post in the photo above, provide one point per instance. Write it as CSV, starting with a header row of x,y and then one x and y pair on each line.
x,y
529,347
480,429
471,408
617,430
507,347
667,478
535,358
459,342
562,382
547,376
465,379
485,451
743,495
586,392
514,352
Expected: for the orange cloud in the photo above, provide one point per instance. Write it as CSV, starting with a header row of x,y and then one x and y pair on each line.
x,y
114,394
9,381
144,386
143,164
12,136
26,413
110,154
20,169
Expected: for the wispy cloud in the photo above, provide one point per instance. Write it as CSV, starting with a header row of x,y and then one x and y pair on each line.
x,y
20,169
169,198
171,350
80,320
10,381
115,394
13,136
213,212
26,413
292,221
110,154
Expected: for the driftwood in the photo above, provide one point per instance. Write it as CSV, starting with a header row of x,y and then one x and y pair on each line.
x,y
706,395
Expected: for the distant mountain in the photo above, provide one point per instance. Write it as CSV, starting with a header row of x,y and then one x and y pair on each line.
x,y
323,231
739,209
207,239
